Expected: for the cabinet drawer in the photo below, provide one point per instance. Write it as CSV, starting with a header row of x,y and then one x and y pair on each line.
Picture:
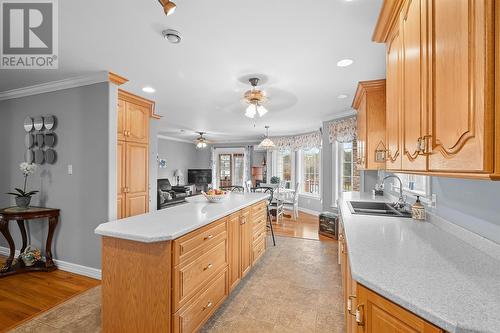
x,y
259,221
259,233
193,315
258,250
190,278
259,207
190,246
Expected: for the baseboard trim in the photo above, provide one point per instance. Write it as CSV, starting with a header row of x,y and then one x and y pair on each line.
x,y
65,266
309,211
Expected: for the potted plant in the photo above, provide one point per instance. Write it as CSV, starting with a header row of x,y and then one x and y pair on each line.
x,y
275,180
23,198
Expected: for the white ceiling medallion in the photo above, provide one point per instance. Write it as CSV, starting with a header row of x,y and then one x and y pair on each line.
x,y
255,98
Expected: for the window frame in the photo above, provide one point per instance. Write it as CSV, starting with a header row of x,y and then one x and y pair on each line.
x,y
275,159
300,156
425,195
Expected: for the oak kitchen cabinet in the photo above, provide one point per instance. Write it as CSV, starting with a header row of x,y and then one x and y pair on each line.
x,y
441,87
134,113
367,312
369,102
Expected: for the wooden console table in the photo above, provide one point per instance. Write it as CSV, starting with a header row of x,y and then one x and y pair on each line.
x,y
20,215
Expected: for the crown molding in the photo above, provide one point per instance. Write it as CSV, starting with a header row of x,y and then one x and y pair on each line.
x,y
363,88
116,79
171,138
55,86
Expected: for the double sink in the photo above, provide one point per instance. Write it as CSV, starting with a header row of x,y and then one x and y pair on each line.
x,y
376,208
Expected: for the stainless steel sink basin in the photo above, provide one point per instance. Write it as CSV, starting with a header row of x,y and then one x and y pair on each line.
x,y
375,208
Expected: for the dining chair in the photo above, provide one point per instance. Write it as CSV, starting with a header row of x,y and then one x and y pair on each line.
x,y
276,205
233,188
248,185
270,191
292,202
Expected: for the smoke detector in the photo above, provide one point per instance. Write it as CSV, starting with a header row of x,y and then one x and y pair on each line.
x,y
173,36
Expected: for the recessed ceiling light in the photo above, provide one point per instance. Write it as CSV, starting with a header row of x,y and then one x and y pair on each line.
x,y
344,62
342,96
148,90
173,36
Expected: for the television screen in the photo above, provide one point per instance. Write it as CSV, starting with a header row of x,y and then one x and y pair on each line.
x,y
199,176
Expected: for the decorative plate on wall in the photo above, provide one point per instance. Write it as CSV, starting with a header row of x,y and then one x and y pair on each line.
x,y
39,140
28,156
28,124
50,156
38,123
29,140
50,139
49,122
39,156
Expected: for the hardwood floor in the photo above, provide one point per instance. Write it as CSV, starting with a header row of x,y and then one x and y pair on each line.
x,y
24,296
306,226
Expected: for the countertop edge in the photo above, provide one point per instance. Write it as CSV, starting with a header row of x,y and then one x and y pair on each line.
x,y
137,238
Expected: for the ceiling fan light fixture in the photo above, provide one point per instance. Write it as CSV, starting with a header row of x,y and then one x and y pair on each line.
x,y
168,6
261,110
250,111
201,144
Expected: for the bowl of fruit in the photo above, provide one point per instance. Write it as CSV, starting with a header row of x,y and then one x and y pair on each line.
x,y
215,195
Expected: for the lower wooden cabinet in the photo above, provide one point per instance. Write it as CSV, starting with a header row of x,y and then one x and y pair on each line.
x,y
367,312
245,242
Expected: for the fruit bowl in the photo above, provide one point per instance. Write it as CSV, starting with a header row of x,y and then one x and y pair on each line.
x,y
215,196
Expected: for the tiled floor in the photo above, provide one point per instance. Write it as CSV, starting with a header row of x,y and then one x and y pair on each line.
x,y
295,287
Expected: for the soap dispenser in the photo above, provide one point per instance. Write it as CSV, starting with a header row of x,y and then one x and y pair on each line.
x,y
418,210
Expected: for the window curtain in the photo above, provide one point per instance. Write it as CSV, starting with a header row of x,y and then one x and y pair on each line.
x,y
343,130
247,169
297,142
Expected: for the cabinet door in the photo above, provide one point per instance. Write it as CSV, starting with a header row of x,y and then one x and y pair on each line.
x,y
233,236
414,110
394,91
461,61
137,123
361,133
350,308
245,242
120,182
137,181
121,119
379,315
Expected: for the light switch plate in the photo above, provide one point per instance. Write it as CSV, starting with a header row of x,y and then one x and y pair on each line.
x,y
433,200
70,169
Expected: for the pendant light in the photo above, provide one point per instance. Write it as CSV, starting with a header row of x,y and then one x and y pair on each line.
x,y
266,143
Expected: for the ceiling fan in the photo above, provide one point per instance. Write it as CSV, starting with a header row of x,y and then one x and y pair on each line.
x,y
201,142
255,98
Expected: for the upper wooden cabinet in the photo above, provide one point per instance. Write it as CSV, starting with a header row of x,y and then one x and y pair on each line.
x,y
370,102
441,78
133,117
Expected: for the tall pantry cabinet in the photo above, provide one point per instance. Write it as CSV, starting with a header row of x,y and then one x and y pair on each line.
x,y
134,113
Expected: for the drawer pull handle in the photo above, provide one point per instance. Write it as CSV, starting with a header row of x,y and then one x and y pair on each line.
x,y
208,237
208,267
208,306
349,304
359,315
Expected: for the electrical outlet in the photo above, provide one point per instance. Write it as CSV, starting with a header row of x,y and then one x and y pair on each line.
x,y
70,169
433,202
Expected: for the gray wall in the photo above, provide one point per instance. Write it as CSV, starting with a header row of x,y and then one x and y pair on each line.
x,y
82,132
471,204
180,155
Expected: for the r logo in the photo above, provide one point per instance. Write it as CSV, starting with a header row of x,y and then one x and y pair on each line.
x,y
29,33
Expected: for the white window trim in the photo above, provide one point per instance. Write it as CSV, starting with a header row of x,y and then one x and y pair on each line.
x,y
424,195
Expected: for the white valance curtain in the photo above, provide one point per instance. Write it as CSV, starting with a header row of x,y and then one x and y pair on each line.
x,y
297,142
342,130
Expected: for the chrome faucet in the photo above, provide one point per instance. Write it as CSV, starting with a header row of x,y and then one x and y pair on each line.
x,y
402,201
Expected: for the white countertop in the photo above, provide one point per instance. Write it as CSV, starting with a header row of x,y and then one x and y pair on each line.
x,y
424,269
173,222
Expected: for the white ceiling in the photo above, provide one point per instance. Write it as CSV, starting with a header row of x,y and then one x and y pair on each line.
x,y
294,45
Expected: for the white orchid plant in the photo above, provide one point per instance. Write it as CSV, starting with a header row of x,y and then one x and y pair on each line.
x,y
27,169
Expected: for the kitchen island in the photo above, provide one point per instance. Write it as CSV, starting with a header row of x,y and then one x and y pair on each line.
x,y
169,270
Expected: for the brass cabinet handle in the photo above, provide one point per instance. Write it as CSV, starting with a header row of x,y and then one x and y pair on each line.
x,y
208,267
243,220
349,305
360,314
208,306
208,237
